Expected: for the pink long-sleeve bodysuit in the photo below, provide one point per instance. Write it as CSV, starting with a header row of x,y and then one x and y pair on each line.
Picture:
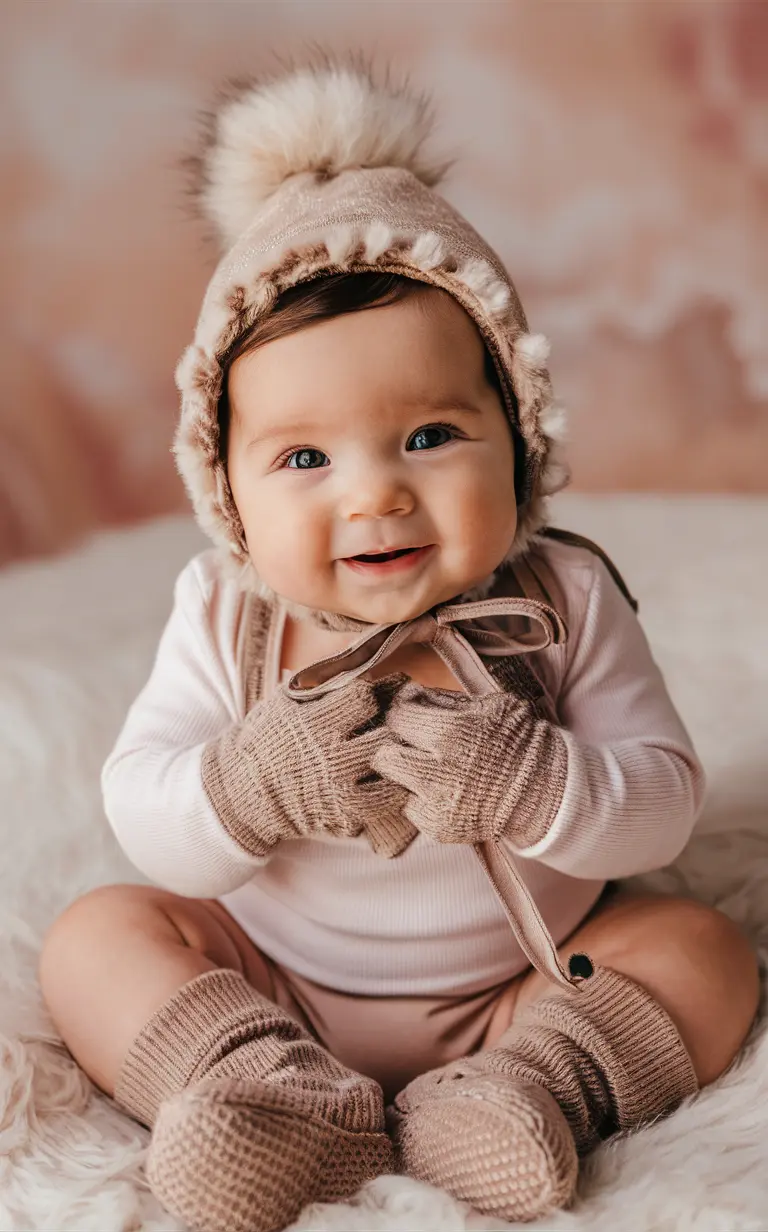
x,y
428,922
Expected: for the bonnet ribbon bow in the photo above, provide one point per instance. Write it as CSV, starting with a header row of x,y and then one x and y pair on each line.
x,y
453,631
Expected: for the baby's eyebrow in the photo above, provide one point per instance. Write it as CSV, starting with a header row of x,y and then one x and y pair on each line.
x,y
447,406
300,429
295,430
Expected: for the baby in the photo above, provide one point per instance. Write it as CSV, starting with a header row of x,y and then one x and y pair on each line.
x,y
400,736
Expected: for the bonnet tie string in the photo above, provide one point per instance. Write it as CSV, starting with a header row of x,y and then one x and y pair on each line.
x,y
456,632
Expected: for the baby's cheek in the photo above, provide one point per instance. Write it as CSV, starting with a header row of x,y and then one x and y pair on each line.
x,y
296,555
483,509
488,528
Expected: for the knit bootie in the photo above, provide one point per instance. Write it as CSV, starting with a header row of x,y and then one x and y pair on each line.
x,y
252,1118
503,1130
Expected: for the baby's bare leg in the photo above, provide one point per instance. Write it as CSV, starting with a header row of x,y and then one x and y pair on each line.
x,y
119,953
691,958
167,1006
670,1001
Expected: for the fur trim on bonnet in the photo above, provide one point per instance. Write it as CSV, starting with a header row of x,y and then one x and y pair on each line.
x,y
324,171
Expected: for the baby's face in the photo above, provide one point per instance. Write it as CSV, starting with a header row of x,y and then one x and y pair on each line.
x,y
371,461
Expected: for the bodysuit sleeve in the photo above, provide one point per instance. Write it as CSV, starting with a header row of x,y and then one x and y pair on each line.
x,y
633,785
152,783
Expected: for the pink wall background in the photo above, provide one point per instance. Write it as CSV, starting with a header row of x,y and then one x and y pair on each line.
x,y
616,154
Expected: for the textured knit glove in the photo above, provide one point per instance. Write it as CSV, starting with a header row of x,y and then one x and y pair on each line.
x,y
475,768
293,769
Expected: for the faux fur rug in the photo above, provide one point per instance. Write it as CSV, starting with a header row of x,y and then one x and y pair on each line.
x,y
76,641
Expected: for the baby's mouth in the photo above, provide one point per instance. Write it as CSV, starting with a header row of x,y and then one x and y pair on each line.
x,y
380,558
396,560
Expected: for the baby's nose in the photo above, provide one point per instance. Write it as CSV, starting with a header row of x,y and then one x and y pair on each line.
x,y
377,496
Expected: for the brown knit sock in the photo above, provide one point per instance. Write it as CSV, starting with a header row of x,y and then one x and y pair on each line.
x,y
502,1130
252,1118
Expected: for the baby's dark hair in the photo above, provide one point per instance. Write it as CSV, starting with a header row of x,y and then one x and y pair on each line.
x,y
336,295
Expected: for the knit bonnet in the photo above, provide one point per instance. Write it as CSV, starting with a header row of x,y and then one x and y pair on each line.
x,y
326,171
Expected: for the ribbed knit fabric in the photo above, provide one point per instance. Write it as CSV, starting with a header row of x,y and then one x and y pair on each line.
x,y
476,768
252,1118
291,770
429,923
607,1053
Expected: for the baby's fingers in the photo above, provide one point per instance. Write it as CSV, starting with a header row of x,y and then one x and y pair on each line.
x,y
406,766
426,724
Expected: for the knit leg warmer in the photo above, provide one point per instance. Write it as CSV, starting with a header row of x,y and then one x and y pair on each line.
x,y
252,1118
503,1130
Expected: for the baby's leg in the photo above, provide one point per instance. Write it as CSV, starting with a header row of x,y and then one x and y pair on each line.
x,y
693,960
162,1000
670,1001
120,953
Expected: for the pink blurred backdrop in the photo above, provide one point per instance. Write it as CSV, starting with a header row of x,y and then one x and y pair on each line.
x,y
616,154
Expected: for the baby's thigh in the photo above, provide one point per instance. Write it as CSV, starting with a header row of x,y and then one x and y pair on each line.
x,y
119,953
691,958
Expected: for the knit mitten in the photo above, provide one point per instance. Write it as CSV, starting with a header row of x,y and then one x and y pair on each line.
x,y
475,767
293,769
503,1130
252,1118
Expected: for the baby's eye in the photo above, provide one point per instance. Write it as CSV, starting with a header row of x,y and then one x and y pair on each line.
x,y
308,459
430,437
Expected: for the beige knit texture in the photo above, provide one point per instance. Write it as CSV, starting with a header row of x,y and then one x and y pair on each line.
x,y
253,1119
260,616
476,768
500,1145
607,1054
226,1157
293,769
463,766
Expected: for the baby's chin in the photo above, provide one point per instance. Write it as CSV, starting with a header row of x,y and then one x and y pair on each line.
x,y
388,612
388,608
372,612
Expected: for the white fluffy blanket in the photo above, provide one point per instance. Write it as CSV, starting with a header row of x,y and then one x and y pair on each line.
x,y
76,641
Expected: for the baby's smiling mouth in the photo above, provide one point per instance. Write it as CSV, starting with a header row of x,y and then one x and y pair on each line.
x,y
378,558
389,561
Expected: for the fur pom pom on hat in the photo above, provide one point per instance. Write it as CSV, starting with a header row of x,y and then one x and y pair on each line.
x,y
323,122
324,171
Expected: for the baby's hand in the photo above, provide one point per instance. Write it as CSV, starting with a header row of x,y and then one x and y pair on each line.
x,y
351,725
295,769
475,768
